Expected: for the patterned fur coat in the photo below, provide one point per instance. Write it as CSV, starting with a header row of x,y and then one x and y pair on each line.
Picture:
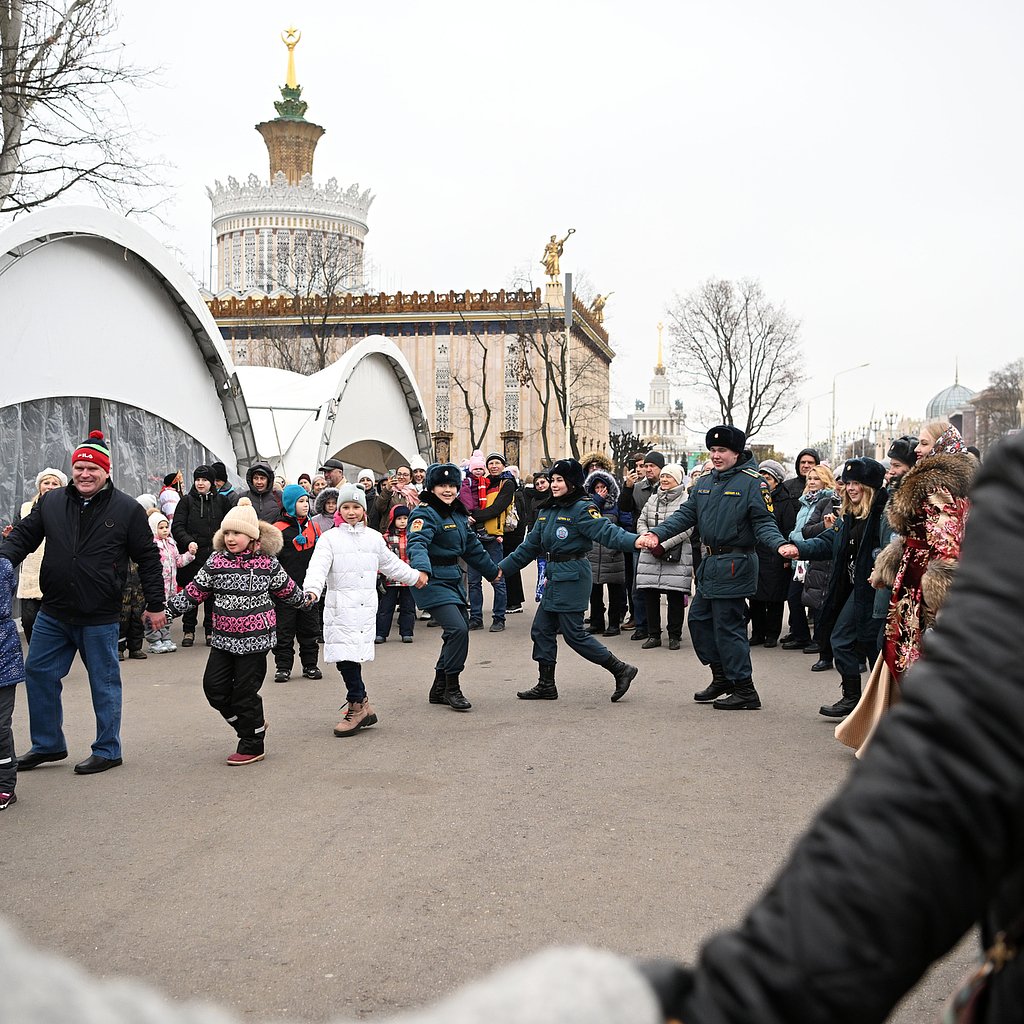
x,y
928,514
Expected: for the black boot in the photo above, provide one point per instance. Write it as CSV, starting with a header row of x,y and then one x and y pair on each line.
x,y
743,698
453,695
545,688
436,695
624,675
719,686
851,695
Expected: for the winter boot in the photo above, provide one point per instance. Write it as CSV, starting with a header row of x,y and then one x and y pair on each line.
x,y
851,695
624,675
742,698
436,695
719,686
453,695
357,716
545,688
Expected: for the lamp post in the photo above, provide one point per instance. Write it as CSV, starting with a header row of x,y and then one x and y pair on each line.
x,y
808,404
849,369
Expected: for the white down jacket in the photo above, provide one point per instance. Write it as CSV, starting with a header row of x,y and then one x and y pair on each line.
x,y
348,559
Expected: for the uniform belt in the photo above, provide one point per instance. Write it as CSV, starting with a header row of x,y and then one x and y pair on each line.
x,y
562,558
709,550
444,561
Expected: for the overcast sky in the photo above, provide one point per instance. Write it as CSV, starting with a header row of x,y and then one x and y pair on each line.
x,y
864,162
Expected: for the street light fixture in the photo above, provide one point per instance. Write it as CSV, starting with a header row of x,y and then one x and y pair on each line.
x,y
849,369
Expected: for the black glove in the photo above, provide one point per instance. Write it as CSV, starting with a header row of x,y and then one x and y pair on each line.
x,y
671,983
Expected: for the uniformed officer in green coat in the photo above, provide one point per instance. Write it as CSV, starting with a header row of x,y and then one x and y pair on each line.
x,y
732,508
568,524
438,535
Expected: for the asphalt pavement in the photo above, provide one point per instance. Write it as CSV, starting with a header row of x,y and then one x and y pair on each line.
x,y
366,875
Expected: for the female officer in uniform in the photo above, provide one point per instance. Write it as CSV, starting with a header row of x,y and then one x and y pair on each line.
x,y
567,523
438,536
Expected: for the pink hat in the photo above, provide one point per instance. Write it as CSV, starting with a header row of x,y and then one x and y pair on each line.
x,y
477,460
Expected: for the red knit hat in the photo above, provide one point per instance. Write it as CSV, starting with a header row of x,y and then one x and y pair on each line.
x,y
93,449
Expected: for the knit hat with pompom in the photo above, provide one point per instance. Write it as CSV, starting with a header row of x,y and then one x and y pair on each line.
x,y
242,519
93,449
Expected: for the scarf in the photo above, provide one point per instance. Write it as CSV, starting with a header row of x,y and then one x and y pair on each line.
x,y
949,443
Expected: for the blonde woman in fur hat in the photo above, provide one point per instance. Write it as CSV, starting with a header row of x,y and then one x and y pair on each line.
x,y
29,592
243,576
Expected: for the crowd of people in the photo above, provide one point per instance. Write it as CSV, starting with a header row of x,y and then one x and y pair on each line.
x,y
861,557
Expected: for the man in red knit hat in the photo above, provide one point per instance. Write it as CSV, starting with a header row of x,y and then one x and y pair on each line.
x,y
91,529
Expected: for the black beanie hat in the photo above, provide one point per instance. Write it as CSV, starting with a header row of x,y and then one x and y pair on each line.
x,y
170,478
220,471
725,436
865,471
655,458
570,471
905,449
442,473
204,473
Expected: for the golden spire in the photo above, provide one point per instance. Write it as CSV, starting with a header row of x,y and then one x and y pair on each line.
x,y
290,37
660,368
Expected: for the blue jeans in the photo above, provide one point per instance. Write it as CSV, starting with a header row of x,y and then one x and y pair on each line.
x,y
352,673
493,547
50,654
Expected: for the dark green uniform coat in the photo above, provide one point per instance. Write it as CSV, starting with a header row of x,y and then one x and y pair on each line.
x,y
566,528
732,508
440,533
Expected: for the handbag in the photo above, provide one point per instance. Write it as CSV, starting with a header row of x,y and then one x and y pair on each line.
x,y
967,1001
670,555
511,518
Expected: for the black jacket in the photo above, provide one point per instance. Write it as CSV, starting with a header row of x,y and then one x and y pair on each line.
x,y
926,837
267,503
196,519
88,546
775,572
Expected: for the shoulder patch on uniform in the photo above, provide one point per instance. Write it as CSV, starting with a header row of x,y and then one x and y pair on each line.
x,y
594,514
415,526
767,495
752,472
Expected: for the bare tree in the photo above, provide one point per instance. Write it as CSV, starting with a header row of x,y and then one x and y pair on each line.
x,y
622,443
997,408
472,384
731,342
64,124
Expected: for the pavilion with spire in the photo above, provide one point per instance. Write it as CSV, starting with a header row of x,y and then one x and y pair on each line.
x,y
276,237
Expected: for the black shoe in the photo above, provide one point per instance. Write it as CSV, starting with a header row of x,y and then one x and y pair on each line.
x,y
718,686
475,624
497,626
756,640
545,688
436,695
188,639
787,638
515,609
95,764
640,634
794,645
650,643
209,640
612,631
743,698
453,695
772,642
624,674
840,709
33,759
594,630
432,623
281,676
6,799
822,665
813,648
673,643
137,655
313,672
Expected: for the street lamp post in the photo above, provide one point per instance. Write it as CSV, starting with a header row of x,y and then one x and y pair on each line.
x,y
832,438
808,404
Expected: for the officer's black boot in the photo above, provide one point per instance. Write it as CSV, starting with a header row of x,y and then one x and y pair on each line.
x,y
545,688
436,695
743,698
624,675
453,695
719,686
851,696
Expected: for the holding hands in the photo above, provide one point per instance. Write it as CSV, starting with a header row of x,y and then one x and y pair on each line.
x,y
646,542
789,551
193,548
422,581
310,599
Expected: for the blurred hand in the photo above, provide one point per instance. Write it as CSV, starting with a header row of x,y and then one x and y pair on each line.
x,y
422,581
829,520
311,599
7,529
155,620
193,548
789,551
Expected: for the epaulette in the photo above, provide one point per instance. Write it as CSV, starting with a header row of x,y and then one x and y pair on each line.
x,y
752,472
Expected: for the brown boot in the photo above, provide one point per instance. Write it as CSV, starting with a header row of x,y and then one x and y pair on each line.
x,y
357,716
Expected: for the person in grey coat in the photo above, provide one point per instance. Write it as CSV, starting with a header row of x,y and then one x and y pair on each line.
x,y
607,565
667,569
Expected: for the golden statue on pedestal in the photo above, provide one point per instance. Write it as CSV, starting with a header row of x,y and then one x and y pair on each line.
x,y
597,306
290,37
552,253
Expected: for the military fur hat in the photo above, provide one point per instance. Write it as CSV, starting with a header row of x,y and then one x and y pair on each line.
x,y
725,436
570,471
442,473
905,449
868,472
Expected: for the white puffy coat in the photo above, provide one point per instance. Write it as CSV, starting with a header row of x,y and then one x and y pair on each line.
x,y
348,559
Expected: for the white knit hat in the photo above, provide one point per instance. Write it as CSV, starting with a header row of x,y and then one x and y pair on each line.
x,y
365,474
156,517
56,473
674,470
